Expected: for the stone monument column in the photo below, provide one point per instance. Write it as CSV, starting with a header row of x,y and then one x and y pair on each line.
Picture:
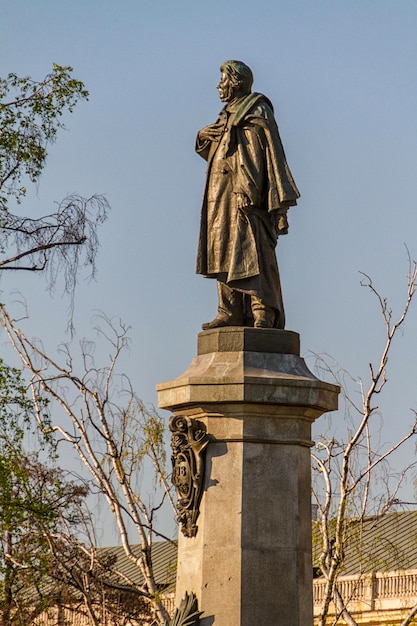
x,y
243,412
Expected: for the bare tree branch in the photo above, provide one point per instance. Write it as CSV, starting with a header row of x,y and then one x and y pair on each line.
x,y
111,431
348,469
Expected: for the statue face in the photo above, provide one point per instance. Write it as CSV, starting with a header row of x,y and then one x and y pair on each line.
x,y
226,88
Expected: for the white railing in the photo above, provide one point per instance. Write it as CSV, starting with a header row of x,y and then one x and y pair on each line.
x,y
396,585
378,591
352,587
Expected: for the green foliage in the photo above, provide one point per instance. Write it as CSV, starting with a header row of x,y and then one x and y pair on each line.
x,y
20,418
57,244
35,499
30,116
36,503
153,443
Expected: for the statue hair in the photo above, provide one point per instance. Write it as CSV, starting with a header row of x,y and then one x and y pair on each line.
x,y
239,73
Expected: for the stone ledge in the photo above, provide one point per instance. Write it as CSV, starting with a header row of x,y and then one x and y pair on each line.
x,y
252,365
242,339
309,396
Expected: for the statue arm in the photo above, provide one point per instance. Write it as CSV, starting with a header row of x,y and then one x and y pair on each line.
x,y
202,147
254,174
207,135
282,190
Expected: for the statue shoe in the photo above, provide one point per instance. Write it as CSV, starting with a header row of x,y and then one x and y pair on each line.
x,y
220,322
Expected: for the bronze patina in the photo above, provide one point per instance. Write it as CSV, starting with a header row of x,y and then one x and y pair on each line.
x,y
248,191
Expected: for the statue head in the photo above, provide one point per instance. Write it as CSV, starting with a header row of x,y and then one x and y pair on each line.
x,y
236,80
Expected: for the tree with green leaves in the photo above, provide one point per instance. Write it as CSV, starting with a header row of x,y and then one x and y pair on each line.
x,y
112,432
48,555
36,502
62,241
31,113
115,436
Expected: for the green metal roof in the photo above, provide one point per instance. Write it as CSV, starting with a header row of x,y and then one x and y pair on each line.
x,y
383,543
164,562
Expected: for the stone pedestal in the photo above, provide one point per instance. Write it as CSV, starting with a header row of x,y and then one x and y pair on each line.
x,y
250,560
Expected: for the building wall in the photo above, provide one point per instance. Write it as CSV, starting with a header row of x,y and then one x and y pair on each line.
x,y
68,616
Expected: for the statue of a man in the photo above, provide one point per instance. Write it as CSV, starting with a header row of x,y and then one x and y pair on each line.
x,y
248,191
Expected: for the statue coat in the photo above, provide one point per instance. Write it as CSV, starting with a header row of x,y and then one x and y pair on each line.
x,y
249,186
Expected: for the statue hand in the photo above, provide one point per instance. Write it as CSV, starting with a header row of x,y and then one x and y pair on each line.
x,y
242,201
283,225
212,132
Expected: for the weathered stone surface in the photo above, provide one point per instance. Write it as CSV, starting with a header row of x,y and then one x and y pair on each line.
x,y
243,371
250,562
237,338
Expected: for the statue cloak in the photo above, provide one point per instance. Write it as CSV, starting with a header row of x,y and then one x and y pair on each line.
x,y
249,186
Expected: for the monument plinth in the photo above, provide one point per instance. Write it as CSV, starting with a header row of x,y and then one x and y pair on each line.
x,y
246,552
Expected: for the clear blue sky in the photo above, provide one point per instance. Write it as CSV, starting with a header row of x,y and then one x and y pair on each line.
x,y
342,77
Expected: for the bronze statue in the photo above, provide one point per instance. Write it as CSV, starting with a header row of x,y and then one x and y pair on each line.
x,y
248,191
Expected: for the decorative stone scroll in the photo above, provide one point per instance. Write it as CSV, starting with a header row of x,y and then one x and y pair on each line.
x,y
188,442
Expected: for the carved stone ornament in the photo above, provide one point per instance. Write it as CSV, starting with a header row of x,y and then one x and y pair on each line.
x,y
187,614
188,442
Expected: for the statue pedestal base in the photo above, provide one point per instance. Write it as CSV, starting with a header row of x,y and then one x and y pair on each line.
x,y
250,560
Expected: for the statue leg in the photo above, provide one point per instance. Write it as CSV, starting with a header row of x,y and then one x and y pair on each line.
x,y
265,316
229,310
